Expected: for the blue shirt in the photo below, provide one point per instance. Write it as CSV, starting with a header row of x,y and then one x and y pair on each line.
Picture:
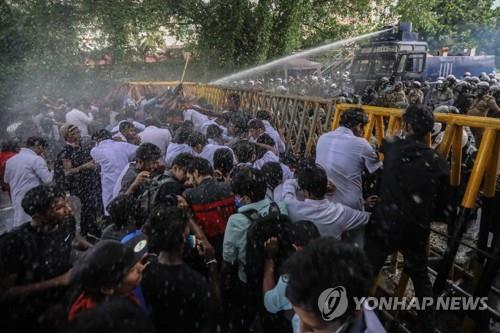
x,y
235,236
275,301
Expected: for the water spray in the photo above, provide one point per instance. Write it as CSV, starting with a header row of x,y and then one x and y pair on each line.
x,y
305,53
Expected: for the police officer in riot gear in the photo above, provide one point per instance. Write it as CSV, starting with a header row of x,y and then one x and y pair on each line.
x,y
442,95
483,106
464,97
416,95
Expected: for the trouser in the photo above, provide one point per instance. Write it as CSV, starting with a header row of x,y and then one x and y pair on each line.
x,y
239,307
90,211
415,255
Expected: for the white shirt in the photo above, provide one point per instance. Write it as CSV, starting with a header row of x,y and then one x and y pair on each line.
x,y
160,137
274,134
209,151
23,172
197,118
80,119
276,194
269,156
209,122
331,219
112,156
118,185
344,157
175,149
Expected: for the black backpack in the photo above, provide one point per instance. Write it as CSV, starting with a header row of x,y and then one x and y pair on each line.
x,y
262,227
149,198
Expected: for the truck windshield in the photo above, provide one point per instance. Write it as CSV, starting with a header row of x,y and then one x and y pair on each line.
x,y
383,65
376,65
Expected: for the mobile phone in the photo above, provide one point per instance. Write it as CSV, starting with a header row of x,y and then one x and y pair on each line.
x,y
191,241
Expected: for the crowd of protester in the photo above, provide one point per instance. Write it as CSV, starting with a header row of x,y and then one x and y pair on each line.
x,y
164,215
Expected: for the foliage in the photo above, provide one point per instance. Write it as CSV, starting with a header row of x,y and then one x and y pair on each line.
x,y
43,44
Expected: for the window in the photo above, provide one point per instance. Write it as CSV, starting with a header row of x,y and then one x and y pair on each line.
x,y
361,65
383,66
402,64
415,63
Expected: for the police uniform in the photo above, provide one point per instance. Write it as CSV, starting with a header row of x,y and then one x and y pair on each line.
x,y
482,107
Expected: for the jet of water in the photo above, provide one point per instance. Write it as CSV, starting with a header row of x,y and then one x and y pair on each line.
x,y
305,53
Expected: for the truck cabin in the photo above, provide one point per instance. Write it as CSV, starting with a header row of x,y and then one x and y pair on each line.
x,y
395,54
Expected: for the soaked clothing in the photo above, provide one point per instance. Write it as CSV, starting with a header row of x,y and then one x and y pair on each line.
x,y
413,176
85,185
31,256
179,297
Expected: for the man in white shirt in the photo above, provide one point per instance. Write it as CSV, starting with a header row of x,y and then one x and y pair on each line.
x,y
160,137
344,154
331,219
264,155
25,171
80,119
256,128
265,117
112,157
199,143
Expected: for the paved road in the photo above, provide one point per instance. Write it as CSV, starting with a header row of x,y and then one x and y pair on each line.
x,y
6,212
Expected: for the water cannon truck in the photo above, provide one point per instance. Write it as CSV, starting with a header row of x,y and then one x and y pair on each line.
x,y
399,54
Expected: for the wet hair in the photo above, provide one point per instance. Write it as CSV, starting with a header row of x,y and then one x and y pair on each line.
x,y
312,178
10,145
263,115
122,210
148,152
304,232
238,121
420,118
102,135
165,229
40,198
201,165
197,138
214,131
250,182
113,315
310,272
182,134
223,160
256,124
244,151
266,140
182,160
152,122
124,125
273,174
36,141
353,117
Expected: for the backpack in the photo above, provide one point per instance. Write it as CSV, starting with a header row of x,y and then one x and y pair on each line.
x,y
148,199
262,227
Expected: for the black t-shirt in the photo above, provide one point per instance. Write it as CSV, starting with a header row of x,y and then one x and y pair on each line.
x,y
82,182
180,298
31,257
413,177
